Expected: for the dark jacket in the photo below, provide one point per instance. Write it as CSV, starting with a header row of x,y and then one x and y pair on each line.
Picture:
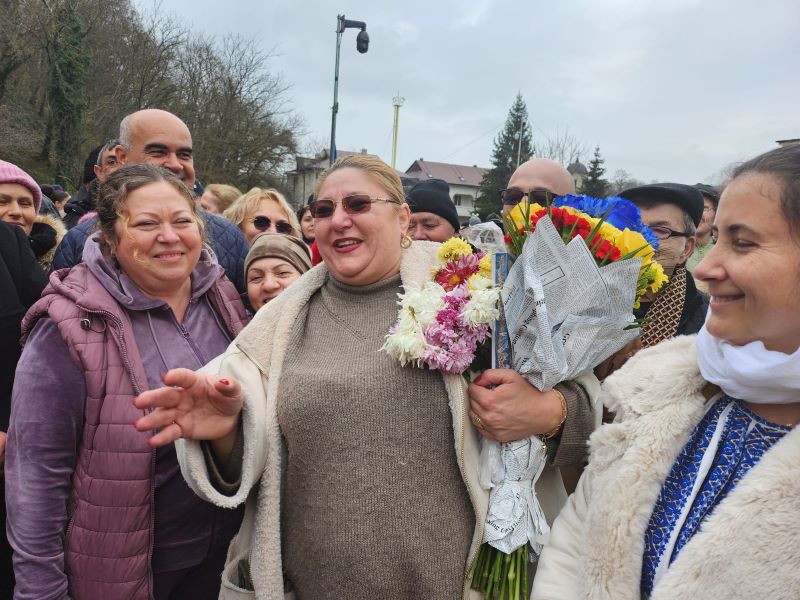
x,y
21,283
79,204
223,236
694,309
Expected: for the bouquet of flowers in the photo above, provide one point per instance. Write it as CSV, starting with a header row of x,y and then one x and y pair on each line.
x,y
582,264
611,227
442,323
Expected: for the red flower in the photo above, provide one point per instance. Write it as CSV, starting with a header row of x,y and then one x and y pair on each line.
x,y
606,250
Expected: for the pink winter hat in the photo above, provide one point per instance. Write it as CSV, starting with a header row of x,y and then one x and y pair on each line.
x,y
11,173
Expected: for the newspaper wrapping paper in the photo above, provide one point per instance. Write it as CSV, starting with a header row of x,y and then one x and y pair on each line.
x,y
561,314
515,516
564,313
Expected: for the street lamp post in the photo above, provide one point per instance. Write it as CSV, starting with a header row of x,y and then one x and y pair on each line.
x,y
362,45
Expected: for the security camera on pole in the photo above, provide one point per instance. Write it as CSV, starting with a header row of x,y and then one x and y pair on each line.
x,y
362,45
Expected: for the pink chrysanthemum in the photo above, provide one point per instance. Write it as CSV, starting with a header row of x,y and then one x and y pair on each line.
x,y
455,273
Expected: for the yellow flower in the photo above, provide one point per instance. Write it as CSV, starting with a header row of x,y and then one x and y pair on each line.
x,y
628,241
660,278
485,266
520,211
454,249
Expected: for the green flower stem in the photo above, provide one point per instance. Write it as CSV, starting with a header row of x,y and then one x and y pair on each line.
x,y
500,576
526,562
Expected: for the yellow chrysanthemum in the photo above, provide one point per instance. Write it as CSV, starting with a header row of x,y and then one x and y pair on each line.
x,y
454,249
660,278
485,266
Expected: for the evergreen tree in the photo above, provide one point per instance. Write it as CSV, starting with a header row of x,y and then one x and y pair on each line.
x,y
67,91
593,183
509,151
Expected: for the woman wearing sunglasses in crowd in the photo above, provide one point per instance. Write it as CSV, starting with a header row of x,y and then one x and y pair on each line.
x,y
693,491
261,210
376,463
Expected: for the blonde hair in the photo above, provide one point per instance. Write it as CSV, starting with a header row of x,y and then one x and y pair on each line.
x,y
247,203
384,175
224,194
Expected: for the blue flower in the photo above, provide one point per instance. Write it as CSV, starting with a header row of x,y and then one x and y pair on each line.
x,y
616,211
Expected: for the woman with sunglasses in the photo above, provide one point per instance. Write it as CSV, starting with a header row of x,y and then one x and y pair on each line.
x,y
360,476
262,210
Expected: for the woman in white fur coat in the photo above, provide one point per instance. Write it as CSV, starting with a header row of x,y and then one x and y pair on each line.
x,y
694,490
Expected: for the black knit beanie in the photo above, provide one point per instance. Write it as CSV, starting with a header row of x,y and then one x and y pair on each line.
x,y
433,196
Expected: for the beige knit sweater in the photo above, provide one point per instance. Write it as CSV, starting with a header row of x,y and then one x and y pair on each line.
x,y
374,505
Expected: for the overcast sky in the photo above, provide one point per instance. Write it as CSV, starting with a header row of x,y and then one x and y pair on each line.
x,y
669,90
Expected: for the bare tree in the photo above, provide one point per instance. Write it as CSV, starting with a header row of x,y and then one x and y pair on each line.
x,y
562,147
237,110
314,144
622,180
236,107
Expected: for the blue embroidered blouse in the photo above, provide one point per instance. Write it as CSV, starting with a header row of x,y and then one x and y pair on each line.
x,y
744,439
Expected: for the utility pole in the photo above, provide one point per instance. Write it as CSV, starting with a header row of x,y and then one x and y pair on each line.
x,y
397,102
362,45
519,141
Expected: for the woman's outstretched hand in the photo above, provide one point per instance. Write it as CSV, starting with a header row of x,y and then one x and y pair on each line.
x,y
192,405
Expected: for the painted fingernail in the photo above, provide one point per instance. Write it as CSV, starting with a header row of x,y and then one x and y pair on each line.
x,y
224,382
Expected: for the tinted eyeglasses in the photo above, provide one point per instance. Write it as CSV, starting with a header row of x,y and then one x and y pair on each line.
x,y
263,223
664,233
353,204
513,196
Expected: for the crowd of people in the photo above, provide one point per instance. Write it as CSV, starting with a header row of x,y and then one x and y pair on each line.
x,y
193,405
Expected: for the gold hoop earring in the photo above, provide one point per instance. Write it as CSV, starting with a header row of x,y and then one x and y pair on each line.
x,y
405,242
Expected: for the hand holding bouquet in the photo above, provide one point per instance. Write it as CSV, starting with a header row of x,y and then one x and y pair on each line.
x,y
582,264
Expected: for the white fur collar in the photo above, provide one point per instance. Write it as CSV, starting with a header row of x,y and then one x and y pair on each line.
x,y
751,529
416,265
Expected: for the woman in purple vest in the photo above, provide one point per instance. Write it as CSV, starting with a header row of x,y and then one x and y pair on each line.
x,y
93,511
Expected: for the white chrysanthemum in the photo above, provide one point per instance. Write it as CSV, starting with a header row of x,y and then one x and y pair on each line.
x,y
478,282
407,343
422,304
481,308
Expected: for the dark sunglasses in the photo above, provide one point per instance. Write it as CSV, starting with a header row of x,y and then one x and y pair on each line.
x,y
353,204
263,223
513,196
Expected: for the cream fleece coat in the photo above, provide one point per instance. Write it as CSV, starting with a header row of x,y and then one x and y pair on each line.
x,y
748,547
255,359
46,259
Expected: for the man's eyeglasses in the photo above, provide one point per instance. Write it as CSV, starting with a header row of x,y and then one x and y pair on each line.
x,y
263,223
513,196
664,233
353,204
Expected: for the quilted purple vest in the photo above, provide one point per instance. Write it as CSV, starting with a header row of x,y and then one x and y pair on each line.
x,y
109,539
